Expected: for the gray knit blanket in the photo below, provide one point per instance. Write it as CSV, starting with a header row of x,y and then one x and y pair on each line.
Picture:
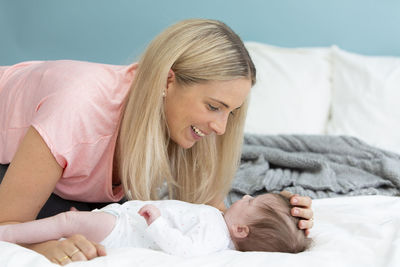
x,y
318,166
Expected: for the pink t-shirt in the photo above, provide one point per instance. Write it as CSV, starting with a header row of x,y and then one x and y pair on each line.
x,y
75,106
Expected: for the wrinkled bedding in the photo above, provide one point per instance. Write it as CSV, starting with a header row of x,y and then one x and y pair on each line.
x,y
318,166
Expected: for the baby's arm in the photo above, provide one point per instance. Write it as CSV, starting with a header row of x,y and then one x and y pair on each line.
x,y
95,226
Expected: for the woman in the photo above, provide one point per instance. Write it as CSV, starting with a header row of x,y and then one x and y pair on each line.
x,y
95,133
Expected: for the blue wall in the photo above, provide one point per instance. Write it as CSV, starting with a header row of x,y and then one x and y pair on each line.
x,y
117,31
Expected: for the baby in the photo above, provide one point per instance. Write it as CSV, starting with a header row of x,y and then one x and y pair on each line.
x,y
261,223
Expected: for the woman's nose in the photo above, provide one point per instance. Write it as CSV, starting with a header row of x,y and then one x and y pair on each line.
x,y
219,125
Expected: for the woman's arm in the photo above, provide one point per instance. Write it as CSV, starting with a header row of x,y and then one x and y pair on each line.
x,y
27,184
29,180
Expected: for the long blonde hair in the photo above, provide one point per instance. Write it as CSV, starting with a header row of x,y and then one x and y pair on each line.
x,y
198,51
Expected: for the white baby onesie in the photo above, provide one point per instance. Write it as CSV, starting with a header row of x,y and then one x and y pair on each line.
x,y
183,228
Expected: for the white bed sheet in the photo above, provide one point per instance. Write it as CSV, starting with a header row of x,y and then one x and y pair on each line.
x,y
348,231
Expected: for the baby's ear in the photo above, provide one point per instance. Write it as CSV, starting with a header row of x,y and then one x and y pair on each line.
x,y
240,231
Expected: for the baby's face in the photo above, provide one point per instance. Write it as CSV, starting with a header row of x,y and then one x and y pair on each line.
x,y
242,210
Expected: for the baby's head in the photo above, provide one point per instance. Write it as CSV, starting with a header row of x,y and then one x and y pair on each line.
x,y
264,223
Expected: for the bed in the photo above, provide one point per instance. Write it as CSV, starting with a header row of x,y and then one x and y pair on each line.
x,y
349,231
322,122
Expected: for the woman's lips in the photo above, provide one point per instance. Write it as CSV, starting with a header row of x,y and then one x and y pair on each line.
x,y
196,133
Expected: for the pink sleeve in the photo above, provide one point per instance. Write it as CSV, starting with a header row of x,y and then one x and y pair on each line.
x,y
79,113
75,106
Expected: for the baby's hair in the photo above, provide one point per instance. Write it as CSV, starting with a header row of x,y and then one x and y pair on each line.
x,y
274,229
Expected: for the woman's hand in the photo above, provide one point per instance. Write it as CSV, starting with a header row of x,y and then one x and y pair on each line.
x,y
301,209
74,248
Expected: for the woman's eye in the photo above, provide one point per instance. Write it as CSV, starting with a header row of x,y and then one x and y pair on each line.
x,y
231,113
212,108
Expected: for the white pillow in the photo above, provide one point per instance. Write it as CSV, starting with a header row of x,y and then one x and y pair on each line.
x,y
366,98
292,93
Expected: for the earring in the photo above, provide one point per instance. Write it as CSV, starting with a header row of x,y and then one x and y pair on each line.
x,y
163,93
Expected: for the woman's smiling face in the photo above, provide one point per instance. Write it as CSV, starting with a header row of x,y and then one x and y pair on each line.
x,y
195,111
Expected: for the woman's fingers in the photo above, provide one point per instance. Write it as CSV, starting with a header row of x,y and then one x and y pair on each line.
x,y
300,201
87,250
305,213
306,225
67,251
76,248
74,253
286,194
64,260
307,232
101,250
297,200
302,209
60,257
77,255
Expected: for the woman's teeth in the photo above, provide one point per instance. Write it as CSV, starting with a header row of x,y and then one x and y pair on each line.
x,y
198,131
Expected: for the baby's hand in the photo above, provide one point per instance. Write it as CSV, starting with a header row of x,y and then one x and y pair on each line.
x,y
149,213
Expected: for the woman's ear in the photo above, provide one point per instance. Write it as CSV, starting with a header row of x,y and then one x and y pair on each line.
x,y
171,73
240,231
171,78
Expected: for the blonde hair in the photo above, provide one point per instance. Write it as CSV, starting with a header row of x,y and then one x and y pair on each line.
x,y
198,51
